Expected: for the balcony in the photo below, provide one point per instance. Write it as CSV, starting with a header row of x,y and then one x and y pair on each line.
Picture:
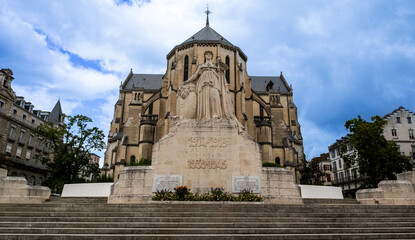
x,y
149,119
24,121
33,166
262,121
346,180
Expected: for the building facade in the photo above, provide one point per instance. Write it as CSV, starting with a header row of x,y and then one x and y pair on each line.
x,y
399,128
324,166
93,159
346,178
263,105
20,146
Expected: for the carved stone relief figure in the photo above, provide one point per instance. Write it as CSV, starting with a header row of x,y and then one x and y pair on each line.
x,y
186,101
212,95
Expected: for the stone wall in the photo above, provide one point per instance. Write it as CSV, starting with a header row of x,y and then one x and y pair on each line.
x,y
278,187
390,192
134,185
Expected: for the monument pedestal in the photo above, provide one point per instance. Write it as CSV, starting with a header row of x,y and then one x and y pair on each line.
x,y
202,155
390,192
134,185
16,190
208,154
278,187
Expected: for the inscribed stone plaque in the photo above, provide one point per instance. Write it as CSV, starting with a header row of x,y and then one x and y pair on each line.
x,y
246,182
166,182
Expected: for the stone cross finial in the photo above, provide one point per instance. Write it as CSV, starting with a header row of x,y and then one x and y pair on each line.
x,y
207,14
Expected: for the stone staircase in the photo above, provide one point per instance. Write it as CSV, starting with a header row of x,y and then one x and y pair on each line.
x,y
330,201
92,218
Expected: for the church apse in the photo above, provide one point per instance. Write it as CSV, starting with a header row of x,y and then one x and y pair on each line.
x,y
206,78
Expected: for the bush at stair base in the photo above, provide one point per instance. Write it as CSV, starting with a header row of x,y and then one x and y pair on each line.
x,y
183,193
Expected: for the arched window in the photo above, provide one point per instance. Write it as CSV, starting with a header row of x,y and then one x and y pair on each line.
x,y
150,109
228,80
132,159
186,68
277,161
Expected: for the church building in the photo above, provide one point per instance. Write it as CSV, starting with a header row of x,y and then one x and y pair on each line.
x,y
263,105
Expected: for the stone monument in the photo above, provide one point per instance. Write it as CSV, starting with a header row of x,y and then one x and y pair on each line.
x,y
206,148
390,192
16,190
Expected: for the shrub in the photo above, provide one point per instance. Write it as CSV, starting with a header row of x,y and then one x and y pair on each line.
x,y
267,164
142,162
246,195
164,195
183,193
103,178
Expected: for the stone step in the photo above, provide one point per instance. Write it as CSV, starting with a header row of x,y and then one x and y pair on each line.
x,y
190,208
344,236
141,208
200,214
212,213
293,220
78,219
256,224
330,201
205,230
170,204
77,200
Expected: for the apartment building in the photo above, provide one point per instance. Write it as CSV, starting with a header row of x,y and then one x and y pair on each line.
x,y
20,146
399,128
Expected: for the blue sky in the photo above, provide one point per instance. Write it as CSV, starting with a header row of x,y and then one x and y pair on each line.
x,y
343,58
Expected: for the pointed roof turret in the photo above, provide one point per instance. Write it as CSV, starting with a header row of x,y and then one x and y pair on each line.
x,y
207,35
55,116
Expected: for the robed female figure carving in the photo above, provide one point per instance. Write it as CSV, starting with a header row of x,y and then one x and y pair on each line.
x,y
213,99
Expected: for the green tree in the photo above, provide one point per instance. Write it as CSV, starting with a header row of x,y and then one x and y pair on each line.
x,y
70,147
311,174
377,158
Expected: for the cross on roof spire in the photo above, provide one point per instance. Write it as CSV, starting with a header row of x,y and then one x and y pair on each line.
x,y
207,14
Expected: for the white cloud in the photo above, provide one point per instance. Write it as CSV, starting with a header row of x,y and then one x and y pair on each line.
x,y
312,25
339,55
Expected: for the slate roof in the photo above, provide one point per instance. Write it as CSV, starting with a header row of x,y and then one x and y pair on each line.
x,y
56,113
146,81
259,84
154,82
207,34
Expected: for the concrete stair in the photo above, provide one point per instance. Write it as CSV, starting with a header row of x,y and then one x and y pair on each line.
x,y
92,218
330,201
